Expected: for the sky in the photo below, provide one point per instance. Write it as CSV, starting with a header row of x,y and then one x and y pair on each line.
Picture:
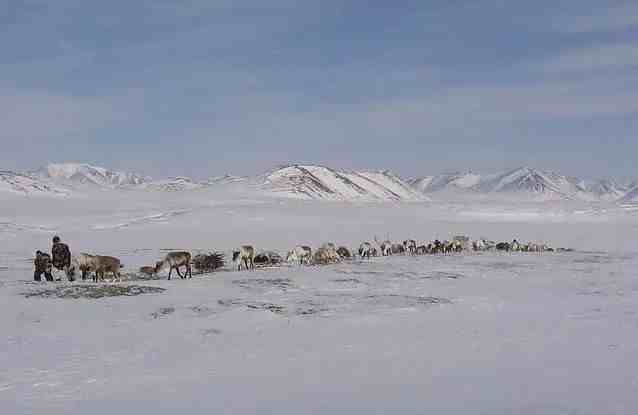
x,y
205,87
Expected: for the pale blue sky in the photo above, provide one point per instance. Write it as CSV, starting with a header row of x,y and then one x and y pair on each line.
x,y
205,87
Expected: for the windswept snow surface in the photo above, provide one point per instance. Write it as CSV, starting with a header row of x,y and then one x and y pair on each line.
x,y
472,333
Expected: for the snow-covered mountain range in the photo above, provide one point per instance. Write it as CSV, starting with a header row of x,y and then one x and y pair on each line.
x,y
323,183
85,174
314,182
25,184
523,182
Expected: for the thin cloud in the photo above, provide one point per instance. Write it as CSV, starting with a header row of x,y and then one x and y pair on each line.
x,y
591,59
38,116
607,19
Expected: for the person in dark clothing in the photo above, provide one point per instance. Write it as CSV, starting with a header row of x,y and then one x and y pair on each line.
x,y
43,265
61,256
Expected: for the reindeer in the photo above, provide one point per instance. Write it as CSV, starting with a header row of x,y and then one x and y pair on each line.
x,y
106,264
322,256
409,246
175,260
365,250
245,255
397,249
455,246
300,254
515,246
479,245
149,271
331,252
385,247
344,253
85,263
421,250
503,246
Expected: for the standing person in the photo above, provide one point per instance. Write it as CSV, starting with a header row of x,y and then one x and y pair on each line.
x,y
43,265
61,256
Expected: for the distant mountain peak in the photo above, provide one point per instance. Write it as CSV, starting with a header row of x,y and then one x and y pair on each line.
x,y
28,185
307,181
86,174
521,181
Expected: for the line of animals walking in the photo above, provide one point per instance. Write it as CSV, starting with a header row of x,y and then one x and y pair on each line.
x,y
97,266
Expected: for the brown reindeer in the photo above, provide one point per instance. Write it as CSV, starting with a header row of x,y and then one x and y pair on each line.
x,y
104,264
84,263
174,260
149,271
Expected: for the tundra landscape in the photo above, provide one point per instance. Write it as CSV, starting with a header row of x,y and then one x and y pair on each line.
x,y
502,332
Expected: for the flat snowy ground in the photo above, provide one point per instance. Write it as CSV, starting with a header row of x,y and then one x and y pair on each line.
x,y
473,333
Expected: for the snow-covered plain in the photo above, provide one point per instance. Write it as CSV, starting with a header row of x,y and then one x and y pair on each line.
x,y
473,333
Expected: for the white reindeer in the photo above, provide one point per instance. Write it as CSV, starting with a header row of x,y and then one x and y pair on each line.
x,y
246,255
300,254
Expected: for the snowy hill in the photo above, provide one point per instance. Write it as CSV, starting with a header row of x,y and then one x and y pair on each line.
x,y
86,174
323,183
27,185
225,179
605,189
631,197
451,181
530,181
176,184
522,182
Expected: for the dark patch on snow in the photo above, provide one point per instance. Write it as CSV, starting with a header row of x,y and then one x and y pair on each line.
x,y
594,259
93,291
435,275
253,305
356,272
163,312
309,308
396,300
211,332
348,281
502,265
441,275
202,311
251,283
588,270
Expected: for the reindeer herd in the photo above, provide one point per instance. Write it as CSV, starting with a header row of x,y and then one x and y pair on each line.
x,y
245,256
